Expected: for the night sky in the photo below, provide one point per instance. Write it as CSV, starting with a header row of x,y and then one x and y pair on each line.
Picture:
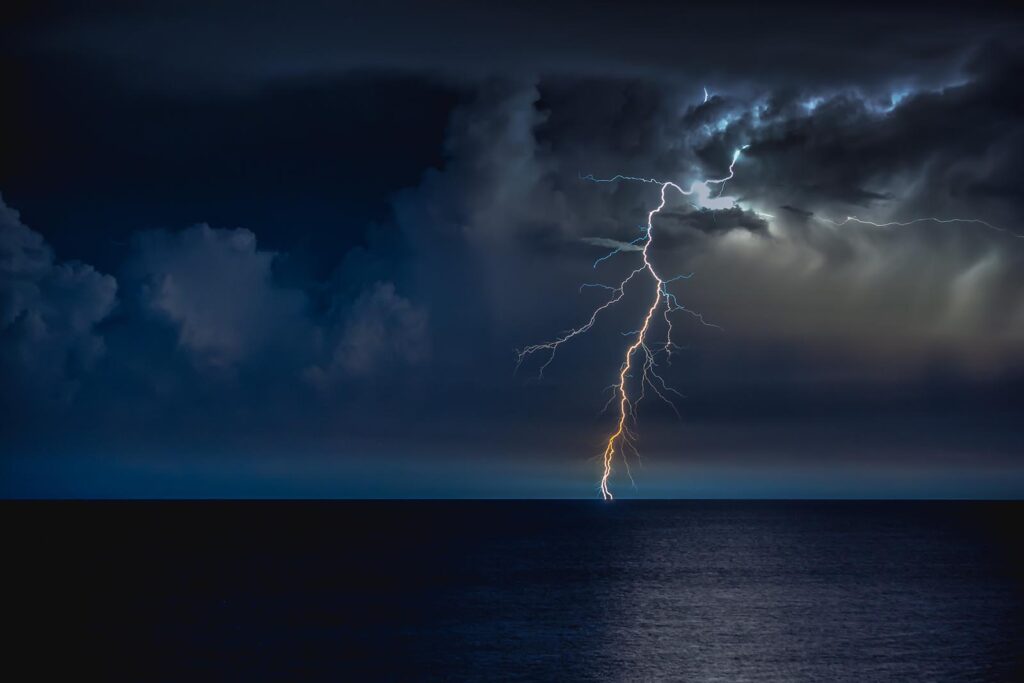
x,y
290,250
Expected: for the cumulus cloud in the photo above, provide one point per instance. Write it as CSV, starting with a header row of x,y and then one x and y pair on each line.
x,y
49,311
218,290
381,331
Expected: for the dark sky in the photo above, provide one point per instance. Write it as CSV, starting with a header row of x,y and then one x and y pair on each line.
x,y
266,249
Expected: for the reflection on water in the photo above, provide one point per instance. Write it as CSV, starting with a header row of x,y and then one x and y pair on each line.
x,y
557,590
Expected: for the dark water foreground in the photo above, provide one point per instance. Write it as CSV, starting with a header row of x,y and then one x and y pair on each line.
x,y
703,591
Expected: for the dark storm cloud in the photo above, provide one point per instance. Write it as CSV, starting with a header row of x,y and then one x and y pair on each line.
x,y
800,213
330,153
812,266
237,44
344,307
927,153
711,221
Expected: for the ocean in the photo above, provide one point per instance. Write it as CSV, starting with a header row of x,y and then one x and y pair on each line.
x,y
518,590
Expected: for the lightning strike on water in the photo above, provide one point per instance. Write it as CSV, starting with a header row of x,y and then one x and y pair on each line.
x,y
622,438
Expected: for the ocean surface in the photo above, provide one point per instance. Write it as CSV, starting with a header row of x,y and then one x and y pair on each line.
x,y
566,591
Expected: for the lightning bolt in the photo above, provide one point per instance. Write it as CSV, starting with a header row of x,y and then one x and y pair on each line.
x,y
639,355
914,221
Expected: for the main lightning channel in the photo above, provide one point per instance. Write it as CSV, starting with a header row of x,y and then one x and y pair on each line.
x,y
639,352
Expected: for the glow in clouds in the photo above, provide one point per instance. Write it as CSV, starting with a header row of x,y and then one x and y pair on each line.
x,y
640,358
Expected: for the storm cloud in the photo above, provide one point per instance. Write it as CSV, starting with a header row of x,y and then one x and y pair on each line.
x,y
337,229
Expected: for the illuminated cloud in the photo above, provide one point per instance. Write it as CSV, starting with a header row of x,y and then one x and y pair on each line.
x,y
217,288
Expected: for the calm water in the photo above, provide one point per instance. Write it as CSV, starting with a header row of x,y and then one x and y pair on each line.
x,y
702,591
